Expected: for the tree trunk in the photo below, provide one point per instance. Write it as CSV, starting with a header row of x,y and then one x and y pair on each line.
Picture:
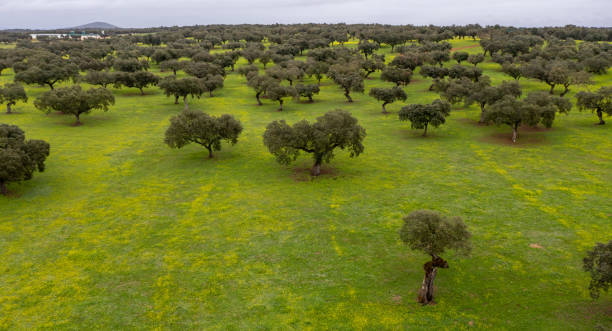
x,y
3,189
565,91
482,113
258,100
280,102
316,168
552,89
310,99
185,101
8,108
426,291
141,91
383,107
50,85
425,132
600,115
176,99
514,133
210,152
174,71
290,82
210,93
78,119
348,96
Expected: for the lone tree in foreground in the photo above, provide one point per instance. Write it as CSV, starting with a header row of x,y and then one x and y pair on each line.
x,y
431,233
387,95
335,129
75,101
19,158
599,263
599,102
10,94
421,116
194,126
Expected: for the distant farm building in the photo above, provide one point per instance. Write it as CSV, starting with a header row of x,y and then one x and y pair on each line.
x,y
71,35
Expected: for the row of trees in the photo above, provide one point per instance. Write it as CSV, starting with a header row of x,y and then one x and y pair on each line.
x,y
336,129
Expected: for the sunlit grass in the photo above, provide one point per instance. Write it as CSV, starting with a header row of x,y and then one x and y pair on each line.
x,y
123,232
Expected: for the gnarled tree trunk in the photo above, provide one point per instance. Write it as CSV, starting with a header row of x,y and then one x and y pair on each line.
x,y
600,115
258,100
280,102
8,107
514,133
348,95
3,189
384,109
316,168
482,113
427,287
185,102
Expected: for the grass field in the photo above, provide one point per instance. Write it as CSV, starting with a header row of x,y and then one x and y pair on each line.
x,y
122,232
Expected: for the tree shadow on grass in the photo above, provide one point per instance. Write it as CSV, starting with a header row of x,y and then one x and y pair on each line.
x,y
302,174
526,138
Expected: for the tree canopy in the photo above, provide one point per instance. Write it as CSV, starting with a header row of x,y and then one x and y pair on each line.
x,y
335,129
19,158
598,262
194,126
75,101
421,116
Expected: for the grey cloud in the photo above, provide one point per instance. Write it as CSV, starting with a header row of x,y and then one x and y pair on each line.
x,y
143,13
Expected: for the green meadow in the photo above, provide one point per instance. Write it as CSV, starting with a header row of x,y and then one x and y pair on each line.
x,y
122,232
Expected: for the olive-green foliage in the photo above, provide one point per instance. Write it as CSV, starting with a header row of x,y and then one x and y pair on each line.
x,y
432,233
194,126
396,75
212,82
47,71
599,102
138,79
335,129
421,116
19,158
537,107
348,78
598,263
182,87
460,56
10,94
278,93
307,90
75,101
387,95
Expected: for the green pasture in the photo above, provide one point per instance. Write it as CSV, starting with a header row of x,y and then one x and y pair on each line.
x,y
122,232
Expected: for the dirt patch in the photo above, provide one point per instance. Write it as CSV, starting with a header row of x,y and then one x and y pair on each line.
x,y
524,139
535,246
463,47
302,174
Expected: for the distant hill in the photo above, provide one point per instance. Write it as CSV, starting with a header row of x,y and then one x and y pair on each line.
x,y
96,25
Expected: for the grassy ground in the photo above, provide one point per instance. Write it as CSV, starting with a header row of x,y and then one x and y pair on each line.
x,y
123,232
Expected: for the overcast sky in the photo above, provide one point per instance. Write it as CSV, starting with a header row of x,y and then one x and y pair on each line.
x,y
38,14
